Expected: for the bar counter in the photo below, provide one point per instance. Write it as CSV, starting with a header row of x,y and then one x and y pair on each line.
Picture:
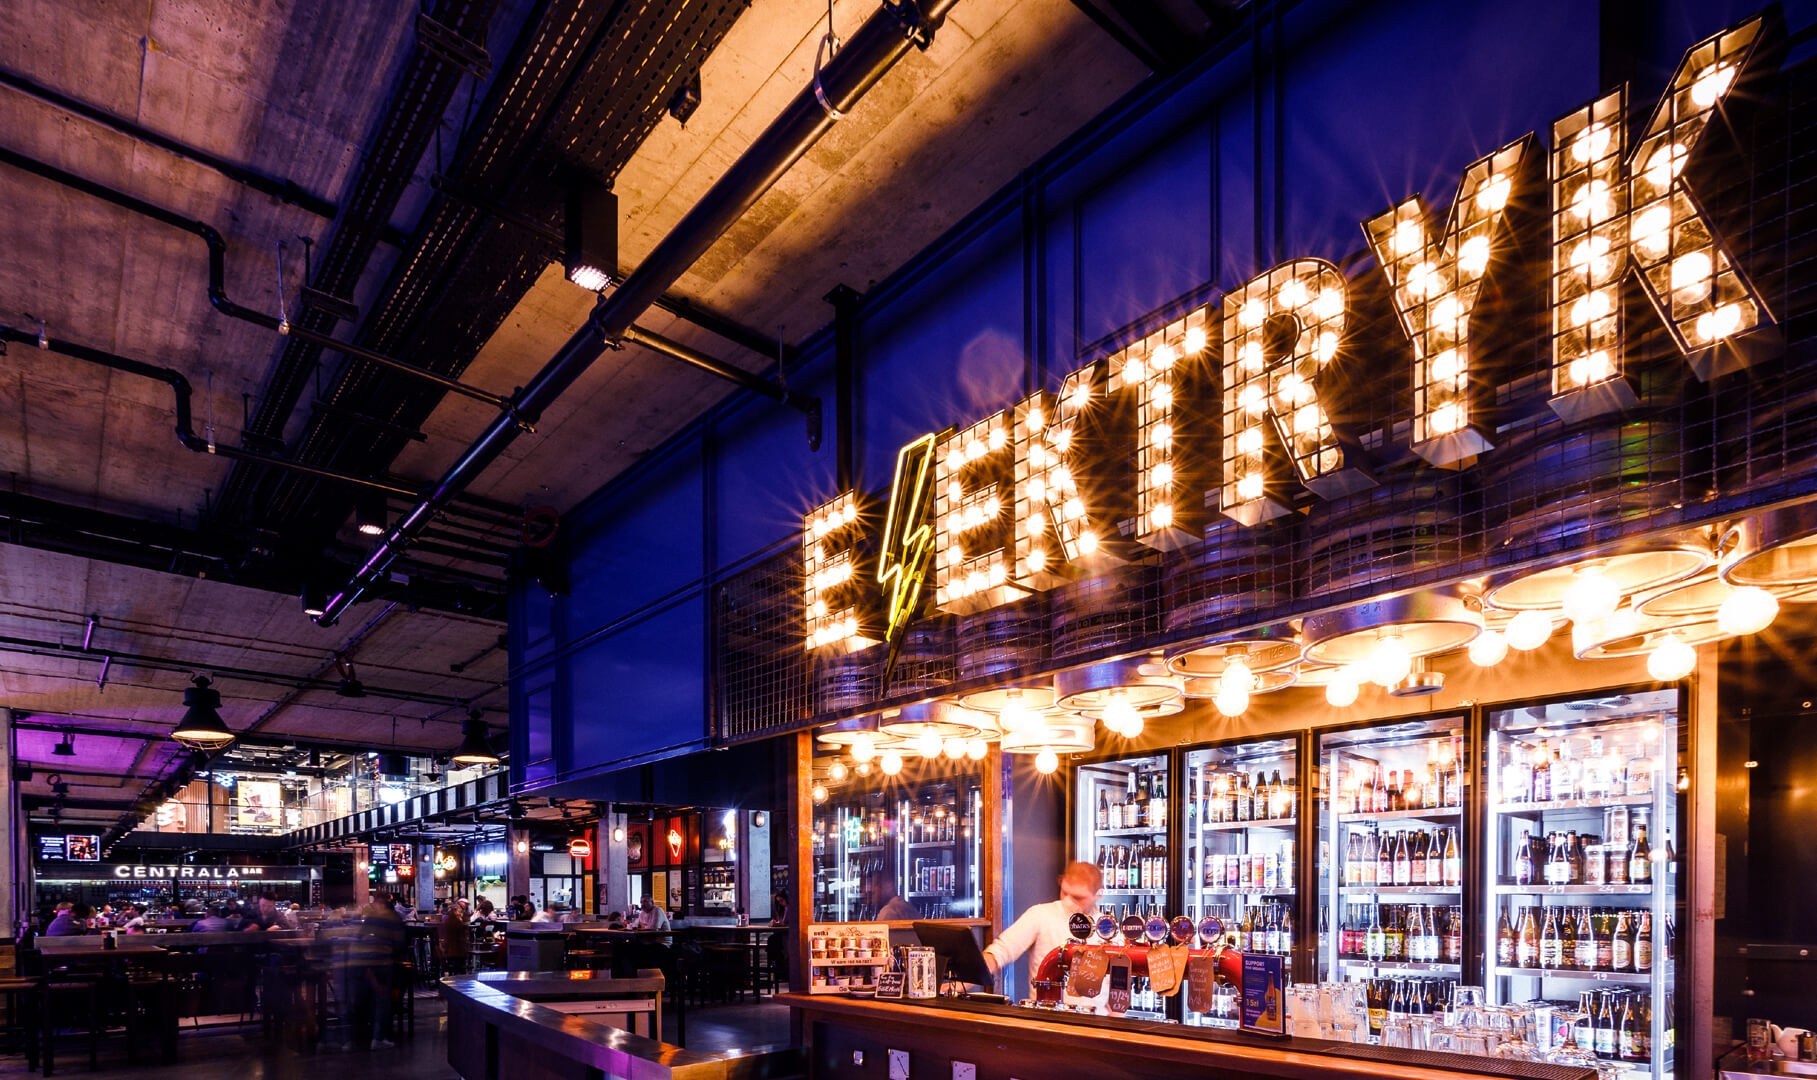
x,y
853,1037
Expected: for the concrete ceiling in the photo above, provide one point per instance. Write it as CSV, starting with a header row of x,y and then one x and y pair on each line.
x,y
294,89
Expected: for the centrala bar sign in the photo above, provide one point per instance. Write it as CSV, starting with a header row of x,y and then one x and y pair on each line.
x,y
1227,397
186,873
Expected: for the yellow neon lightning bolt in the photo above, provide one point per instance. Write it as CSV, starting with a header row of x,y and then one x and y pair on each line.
x,y
907,535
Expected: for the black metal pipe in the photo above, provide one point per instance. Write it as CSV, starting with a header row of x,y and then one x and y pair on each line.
x,y
845,300
803,403
450,551
182,390
217,278
284,190
873,49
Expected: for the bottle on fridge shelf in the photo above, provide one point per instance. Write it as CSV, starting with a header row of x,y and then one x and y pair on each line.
x,y
1526,941
1640,857
1523,859
1643,944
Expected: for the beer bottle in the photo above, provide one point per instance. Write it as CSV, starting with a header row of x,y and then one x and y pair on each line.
x,y
1523,860
1643,944
1548,941
1622,944
1640,857
1526,942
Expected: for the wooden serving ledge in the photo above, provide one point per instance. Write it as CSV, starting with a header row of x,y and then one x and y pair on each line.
x,y
853,1037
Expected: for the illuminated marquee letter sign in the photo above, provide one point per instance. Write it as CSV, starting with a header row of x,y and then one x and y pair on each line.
x,y
1616,209
839,609
1167,374
1280,331
974,514
1434,283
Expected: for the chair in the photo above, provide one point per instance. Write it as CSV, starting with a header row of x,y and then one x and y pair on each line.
x,y
22,994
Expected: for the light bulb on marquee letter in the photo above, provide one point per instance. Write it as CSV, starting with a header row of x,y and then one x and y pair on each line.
x,y
1435,288
1618,207
1280,391
975,505
836,598
1168,372
1069,514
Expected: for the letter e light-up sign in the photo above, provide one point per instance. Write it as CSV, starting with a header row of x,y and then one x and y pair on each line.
x,y
838,598
1435,285
1614,209
1280,331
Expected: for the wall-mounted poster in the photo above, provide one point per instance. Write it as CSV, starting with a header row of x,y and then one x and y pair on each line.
x,y
84,848
637,845
261,804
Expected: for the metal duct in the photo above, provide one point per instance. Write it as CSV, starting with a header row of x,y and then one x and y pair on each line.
x,y
876,47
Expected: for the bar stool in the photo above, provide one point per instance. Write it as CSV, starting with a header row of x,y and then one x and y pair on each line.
x,y
83,991
150,1003
22,993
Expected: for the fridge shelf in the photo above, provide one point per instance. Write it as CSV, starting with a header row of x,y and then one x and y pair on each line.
x,y
1208,891
1263,823
1525,809
1139,830
930,843
1574,890
1436,813
1387,966
1400,890
869,850
1620,978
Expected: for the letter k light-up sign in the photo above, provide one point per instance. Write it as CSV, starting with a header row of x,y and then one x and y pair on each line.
x,y
1125,453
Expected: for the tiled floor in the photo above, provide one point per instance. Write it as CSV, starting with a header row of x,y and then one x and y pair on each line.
x,y
232,1055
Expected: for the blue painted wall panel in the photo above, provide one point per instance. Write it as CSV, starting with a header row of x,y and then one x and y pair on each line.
x,y
771,477
638,692
636,547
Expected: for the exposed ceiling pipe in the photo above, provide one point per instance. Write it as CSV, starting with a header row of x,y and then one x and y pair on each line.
x,y
884,39
806,404
181,388
217,277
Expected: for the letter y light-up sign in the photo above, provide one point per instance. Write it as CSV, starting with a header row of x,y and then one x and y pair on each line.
x,y
1434,285
1280,331
1614,208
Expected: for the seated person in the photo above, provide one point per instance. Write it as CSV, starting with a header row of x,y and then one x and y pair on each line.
x,y
214,922
71,921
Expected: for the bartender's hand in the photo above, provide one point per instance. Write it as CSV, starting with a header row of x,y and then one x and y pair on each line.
x,y
990,961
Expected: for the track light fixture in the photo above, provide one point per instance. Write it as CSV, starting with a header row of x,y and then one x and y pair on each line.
x,y
314,597
202,725
66,748
591,234
370,513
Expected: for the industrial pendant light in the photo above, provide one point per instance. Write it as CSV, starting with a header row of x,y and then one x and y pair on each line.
x,y
66,748
202,725
475,748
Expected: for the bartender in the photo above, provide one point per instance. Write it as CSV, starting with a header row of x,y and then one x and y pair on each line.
x,y
1044,927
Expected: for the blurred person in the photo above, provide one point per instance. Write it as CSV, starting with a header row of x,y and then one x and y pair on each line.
x,y
545,914
1044,927
366,980
267,916
71,921
779,942
457,939
880,890
132,919
215,921
521,909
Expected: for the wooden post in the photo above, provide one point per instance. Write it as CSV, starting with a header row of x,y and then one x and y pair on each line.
x,y
991,851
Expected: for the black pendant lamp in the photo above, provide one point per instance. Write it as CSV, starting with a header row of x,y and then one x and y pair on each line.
x,y
475,748
202,724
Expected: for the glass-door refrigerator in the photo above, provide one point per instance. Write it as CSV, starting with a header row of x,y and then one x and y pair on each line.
x,y
1393,856
1121,822
1581,874
1240,835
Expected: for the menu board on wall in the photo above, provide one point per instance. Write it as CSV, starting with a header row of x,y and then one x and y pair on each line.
x,y
379,855
261,804
51,848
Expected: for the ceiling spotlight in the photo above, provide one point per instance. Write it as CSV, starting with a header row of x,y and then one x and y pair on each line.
x,y
66,748
370,513
315,598
591,234
350,687
476,744
202,724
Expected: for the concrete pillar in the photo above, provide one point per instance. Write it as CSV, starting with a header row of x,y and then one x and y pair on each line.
x,y
362,886
614,870
425,878
15,855
517,862
753,848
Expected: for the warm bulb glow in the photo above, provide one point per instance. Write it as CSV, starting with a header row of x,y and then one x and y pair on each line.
x,y
1231,701
1671,660
927,744
1446,418
1341,692
1719,324
1237,676
818,793
1711,84
1046,762
1119,714
1529,630
1195,340
976,749
1015,714
1691,275
1747,611
891,763
1591,368
1488,648
836,772
1389,662
953,748
1162,515
864,748
1591,596
864,768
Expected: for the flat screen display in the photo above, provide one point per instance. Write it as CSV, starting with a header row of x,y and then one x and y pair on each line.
x,y
83,848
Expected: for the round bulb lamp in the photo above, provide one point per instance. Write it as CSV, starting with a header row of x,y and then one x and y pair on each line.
x,y
1489,649
1529,630
1671,660
1747,610
1047,762
891,763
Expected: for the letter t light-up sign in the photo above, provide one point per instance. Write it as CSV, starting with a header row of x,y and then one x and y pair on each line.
x,y
1298,305
1165,372
1435,287
1613,209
